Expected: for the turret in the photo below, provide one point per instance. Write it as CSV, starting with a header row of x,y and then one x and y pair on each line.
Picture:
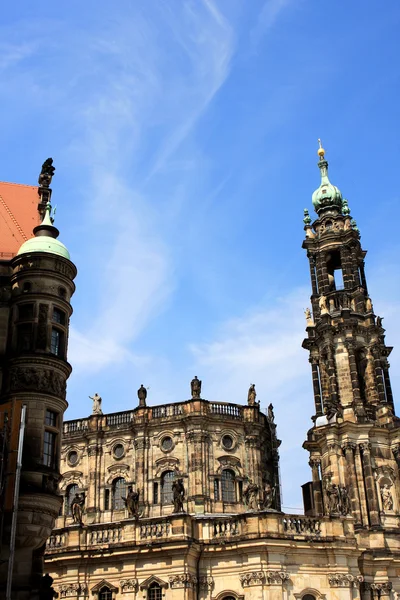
x,y
35,372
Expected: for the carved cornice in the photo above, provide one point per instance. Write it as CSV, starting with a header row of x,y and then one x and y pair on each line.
x,y
72,589
206,582
118,473
129,585
260,578
346,580
348,446
365,447
183,580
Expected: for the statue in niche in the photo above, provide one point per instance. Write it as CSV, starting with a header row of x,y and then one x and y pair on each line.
x,y
132,503
252,395
77,506
332,492
96,404
195,386
344,500
268,498
142,395
331,281
387,498
323,306
178,492
250,496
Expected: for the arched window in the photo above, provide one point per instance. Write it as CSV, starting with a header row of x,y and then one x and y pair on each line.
x,y
154,591
105,594
308,597
228,598
228,486
69,496
167,479
119,491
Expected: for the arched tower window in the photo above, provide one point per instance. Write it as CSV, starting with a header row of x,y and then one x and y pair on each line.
x,y
308,597
105,594
154,592
69,496
167,479
228,486
118,491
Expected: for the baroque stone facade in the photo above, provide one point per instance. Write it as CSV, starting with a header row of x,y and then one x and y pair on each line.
x,y
182,502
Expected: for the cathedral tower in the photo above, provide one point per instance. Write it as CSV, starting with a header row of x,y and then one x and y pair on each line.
x,y
355,441
36,297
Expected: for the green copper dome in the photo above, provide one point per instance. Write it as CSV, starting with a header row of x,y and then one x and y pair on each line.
x,y
45,239
327,195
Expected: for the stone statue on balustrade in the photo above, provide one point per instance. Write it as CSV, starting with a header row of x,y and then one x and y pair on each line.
x,y
270,414
96,404
77,506
323,306
387,498
344,504
268,497
333,497
195,386
142,395
132,503
250,496
178,492
252,395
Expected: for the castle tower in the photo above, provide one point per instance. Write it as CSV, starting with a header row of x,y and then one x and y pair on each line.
x,y
355,441
35,370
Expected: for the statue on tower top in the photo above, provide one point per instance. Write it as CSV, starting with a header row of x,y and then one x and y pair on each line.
x,y
252,395
46,174
142,395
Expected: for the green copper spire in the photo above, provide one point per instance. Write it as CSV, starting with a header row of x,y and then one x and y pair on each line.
x,y
45,239
327,196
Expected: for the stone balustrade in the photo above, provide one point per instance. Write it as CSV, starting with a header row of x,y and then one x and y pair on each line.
x,y
125,419
204,528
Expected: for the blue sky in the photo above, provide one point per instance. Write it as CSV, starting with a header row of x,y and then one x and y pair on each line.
x,y
184,134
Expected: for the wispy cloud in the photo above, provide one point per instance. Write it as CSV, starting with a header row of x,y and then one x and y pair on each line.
x,y
267,18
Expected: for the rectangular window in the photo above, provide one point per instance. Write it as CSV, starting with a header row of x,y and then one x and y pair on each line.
x,y
49,448
155,493
56,342
216,490
25,311
25,337
50,418
154,592
240,487
58,316
106,499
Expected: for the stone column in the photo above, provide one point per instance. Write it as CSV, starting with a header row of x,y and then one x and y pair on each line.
x,y
360,486
378,374
315,464
372,499
333,392
354,379
381,591
388,386
313,275
316,386
371,390
348,448
346,267
363,278
396,452
356,273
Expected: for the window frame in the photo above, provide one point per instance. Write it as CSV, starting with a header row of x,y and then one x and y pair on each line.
x,y
167,494
118,491
228,494
50,431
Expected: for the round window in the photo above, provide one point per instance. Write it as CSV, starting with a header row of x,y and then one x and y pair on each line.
x,y
227,442
118,451
73,457
167,443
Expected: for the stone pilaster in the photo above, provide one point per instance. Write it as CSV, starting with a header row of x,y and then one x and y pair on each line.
x,y
315,464
349,448
372,499
316,386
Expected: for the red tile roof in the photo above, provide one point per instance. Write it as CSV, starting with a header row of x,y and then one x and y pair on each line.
x,y
18,216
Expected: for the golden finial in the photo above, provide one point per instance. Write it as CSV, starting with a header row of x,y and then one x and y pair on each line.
x,y
321,151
